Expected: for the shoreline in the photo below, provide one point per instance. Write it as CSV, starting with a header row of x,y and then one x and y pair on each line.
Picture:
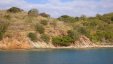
x,y
82,47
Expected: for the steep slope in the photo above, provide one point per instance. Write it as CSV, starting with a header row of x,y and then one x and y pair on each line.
x,y
21,24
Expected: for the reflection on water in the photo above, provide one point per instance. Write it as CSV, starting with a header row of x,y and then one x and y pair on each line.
x,y
58,56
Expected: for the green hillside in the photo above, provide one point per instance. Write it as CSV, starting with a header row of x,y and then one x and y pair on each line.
x,y
63,31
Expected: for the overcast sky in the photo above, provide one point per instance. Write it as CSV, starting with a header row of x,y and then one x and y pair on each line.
x,y
57,8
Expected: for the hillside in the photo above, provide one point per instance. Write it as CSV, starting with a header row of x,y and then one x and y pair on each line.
x,y
25,30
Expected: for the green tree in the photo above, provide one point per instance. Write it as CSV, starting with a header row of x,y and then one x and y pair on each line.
x,y
14,10
67,19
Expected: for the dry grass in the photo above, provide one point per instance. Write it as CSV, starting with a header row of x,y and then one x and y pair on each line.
x,y
21,24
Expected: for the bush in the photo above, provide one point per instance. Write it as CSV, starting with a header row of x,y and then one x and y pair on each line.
x,y
83,17
112,19
33,37
1,35
107,35
44,15
14,10
33,12
94,38
45,38
3,27
102,36
83,31
73,34
39,28
62,41
77,18
98,16
44,22
8,17
67,19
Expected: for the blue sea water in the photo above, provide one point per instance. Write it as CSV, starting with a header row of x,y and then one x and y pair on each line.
x,y
58,56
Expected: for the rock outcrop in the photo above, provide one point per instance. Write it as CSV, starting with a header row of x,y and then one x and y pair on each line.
x,y
83,41
11,43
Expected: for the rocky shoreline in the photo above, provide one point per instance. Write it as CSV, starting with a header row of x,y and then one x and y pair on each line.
x,y
23,44
69,47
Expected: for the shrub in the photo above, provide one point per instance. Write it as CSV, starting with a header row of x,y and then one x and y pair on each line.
x,y
83,31
45,38
1,35
8,17
109,36
65,16
83,17
44,22
62,41
111,18
54,24
33,37
95,22
77,18
67,19
102,36
44,15
33,12
98,16
3,27
39,28
14,10
94,38
73,34
56,41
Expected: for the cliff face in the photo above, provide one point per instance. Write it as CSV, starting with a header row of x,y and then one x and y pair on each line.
x,y
21,42
83,41
15,43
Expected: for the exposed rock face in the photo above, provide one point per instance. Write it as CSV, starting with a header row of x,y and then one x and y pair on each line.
x,y
9,43
83,41
42,45
25,43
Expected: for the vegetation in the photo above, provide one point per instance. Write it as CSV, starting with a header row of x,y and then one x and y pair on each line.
x,y
44,22
44,15
66,40
62,41
3,28
73,34
45,38
67,18
33,12
97,29
33,37
39,28
8,17
14,10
